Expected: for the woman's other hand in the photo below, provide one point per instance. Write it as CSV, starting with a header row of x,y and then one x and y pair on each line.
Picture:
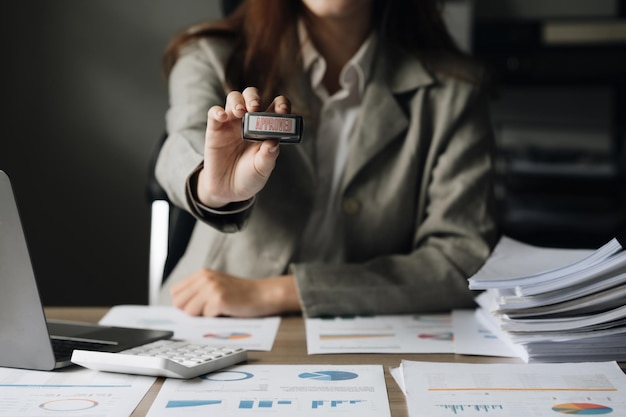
x,y
213,293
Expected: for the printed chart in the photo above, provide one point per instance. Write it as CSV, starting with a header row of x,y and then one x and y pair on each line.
x,y
250,334
381,334
459,332
513,390
277,390
76,392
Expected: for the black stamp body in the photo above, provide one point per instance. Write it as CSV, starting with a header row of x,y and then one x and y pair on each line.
x,y
287,128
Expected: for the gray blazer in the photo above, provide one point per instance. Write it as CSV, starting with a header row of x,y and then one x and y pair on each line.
x,y
417,195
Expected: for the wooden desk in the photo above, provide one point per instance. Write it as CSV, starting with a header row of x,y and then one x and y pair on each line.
x,y
290,348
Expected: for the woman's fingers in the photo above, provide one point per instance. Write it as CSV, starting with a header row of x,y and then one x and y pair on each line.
x,y
252,99
249,100
280,104
238,103
216,116
235,104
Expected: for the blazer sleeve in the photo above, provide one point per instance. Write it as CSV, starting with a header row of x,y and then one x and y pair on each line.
x,y
196,83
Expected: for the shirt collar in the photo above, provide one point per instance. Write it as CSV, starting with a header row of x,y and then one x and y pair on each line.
x,y
360,63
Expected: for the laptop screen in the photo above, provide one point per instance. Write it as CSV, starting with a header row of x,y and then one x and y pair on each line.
x,y
24,339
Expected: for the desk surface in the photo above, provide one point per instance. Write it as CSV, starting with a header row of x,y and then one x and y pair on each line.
x,y
290,348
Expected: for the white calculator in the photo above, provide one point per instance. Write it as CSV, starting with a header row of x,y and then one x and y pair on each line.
x,y
167,358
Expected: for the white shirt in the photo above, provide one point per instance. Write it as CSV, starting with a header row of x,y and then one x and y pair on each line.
x,y
338,117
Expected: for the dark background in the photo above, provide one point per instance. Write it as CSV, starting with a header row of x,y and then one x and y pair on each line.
x,y
84,104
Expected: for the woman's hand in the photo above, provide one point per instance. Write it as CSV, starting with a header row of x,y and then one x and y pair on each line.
x,y
212,293
234,169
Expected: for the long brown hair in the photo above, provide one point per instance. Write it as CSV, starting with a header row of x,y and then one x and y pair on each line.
x,y
265,36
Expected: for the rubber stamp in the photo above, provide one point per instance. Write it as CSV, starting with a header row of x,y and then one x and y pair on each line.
x,y
287,128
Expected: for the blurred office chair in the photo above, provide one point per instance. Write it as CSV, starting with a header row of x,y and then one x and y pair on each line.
x,y
170,230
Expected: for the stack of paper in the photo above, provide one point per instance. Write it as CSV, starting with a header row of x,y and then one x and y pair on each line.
x,y
556,305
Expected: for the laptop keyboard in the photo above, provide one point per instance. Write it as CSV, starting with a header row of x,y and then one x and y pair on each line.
x,y
63,348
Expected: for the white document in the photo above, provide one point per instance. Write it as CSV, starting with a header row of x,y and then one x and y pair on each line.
x,y
589,322
277,390
577,274
510,390
75,392
604,290
430,333
251,334
473,338
513,263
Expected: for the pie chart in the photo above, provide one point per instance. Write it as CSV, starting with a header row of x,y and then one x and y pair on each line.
x,y
69,404
329,375
582,409
227,376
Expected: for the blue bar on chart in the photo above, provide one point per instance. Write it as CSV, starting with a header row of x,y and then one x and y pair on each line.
x,y
190,403
249,404
334,403
457,408
246,404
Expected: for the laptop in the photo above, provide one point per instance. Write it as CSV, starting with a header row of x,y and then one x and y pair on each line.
x,y
26,337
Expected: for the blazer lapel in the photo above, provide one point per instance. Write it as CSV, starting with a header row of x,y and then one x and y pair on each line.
x,y
383,119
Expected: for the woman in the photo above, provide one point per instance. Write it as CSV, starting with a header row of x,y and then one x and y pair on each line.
x,y
386,205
